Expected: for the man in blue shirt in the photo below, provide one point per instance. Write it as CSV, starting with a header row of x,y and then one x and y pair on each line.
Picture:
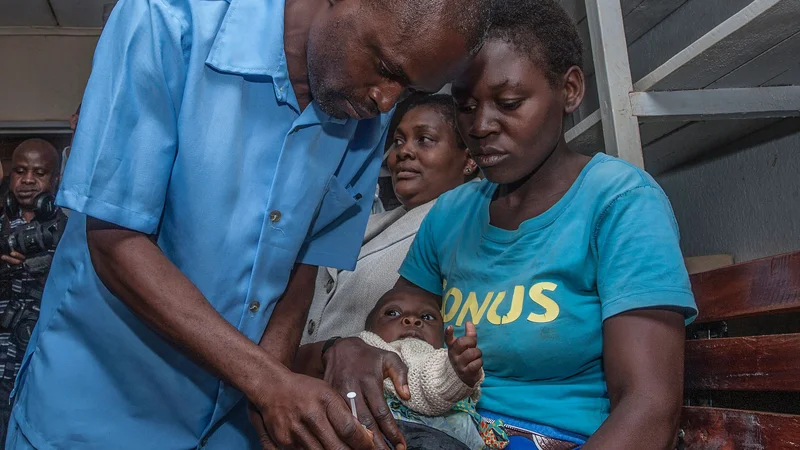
x,y
226,148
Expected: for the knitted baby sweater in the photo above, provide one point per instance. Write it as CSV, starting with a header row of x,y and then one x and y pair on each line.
x,y
434,385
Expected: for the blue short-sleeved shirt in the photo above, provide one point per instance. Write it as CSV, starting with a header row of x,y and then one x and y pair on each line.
x,y
539,295
189,130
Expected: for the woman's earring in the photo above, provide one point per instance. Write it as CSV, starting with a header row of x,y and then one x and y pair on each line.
x,y
468,171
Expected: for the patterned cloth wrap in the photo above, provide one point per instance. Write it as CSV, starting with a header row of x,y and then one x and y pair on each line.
x,y
462,422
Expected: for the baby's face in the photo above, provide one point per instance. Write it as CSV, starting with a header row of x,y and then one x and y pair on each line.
x,y
403,315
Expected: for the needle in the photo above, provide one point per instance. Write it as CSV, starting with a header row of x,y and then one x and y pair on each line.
x,y
352,397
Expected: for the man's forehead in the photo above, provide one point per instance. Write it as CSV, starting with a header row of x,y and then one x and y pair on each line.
x,y
33,157
428,62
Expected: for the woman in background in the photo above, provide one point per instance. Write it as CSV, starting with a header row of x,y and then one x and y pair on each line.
x,y
426,159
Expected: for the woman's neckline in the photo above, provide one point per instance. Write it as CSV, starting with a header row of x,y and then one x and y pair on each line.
x,y
537,222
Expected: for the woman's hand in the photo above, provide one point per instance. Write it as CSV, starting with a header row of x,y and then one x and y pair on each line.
x,y
353,366
465,356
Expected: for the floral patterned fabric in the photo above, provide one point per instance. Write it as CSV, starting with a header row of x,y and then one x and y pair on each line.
x,y
462,422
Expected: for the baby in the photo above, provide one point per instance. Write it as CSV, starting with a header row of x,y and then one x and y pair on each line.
x,y
444,383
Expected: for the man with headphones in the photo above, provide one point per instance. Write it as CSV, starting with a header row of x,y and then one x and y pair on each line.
x,y
30,197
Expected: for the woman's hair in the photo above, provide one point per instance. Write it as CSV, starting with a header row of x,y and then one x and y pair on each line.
x,y
542,30
443,104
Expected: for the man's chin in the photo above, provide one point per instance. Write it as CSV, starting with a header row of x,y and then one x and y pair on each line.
x,y
336,108
325,99
27,201
336,105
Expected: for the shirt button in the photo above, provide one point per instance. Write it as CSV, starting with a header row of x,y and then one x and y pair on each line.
x,y
311,326
255,306
275,216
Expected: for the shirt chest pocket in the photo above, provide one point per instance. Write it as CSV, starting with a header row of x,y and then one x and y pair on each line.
x,y
337,203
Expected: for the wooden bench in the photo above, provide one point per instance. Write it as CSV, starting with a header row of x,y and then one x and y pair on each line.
x,y
744,366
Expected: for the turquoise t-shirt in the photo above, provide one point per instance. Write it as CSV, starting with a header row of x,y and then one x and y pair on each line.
x,y
539,295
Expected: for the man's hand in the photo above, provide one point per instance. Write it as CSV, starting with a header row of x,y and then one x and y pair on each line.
x,y
353,366
15,258
465,356
301,412
297,411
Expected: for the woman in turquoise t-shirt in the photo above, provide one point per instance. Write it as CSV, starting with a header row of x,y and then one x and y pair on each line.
x,y
568,265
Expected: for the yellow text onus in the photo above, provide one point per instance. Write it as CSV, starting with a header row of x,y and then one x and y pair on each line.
x,y
455,307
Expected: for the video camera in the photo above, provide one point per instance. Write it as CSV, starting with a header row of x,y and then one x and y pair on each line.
x,y
35,240
20,317
40,236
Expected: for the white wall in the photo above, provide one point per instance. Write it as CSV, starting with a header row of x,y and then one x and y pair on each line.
x,y
743,201
43,72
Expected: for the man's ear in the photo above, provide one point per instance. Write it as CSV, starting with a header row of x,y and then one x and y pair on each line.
x,y
55,184
574,89
73,122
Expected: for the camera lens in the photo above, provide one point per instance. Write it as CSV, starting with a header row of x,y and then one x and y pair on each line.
x,y
29,239
24,329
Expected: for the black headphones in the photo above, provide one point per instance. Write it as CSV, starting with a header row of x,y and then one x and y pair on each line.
x,y
44,206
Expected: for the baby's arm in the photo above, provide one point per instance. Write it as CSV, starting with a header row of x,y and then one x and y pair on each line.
x,y
444,377
465,356
434,384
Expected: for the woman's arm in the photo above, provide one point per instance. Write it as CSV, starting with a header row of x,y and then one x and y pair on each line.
x,y
643,358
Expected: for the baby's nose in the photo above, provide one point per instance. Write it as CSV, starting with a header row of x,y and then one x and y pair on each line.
x,y
412,321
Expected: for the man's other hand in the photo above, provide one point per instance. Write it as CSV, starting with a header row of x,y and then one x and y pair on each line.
x,y
15,258
300,412
354,366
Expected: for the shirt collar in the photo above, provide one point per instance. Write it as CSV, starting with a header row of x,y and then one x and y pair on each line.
x,y
250,43
250,40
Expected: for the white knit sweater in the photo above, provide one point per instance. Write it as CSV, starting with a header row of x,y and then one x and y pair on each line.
x,y
434,384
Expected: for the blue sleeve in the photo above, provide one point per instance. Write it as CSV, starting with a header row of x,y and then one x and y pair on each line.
x,y
341,220
640,264
126,142
421,265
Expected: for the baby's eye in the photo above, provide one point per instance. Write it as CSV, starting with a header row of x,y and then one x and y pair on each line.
x,y
392,313
429,317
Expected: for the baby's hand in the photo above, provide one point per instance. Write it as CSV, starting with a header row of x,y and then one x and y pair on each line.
x,y
465,356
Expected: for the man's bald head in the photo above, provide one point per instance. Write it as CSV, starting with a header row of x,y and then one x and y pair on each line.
x,y
40,147
34,169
